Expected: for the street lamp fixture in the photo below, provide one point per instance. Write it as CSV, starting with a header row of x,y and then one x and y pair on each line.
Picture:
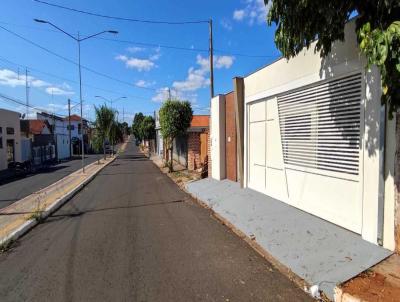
x,y
78,39
111,101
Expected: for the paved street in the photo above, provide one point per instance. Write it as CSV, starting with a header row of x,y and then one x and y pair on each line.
x,y
20,188
132,235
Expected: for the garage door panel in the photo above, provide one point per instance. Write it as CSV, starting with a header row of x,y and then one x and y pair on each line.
x,y
330,198
257,112
257,143
257,179
276,184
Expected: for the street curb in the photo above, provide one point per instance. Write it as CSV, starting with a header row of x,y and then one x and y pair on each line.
x,y
31,223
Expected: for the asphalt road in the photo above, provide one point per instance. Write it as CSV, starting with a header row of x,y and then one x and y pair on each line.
x,y
132,235
20,188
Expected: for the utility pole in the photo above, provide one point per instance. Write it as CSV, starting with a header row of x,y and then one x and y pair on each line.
x,y
27,92
211,60
69,128
169,94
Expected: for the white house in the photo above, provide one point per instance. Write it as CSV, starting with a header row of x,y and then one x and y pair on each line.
x,y
159,138
10,138
59,128
316,137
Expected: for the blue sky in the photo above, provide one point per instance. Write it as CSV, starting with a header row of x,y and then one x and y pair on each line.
x,y
140,73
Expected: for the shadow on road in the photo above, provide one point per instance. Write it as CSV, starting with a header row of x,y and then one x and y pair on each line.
x,y
53,218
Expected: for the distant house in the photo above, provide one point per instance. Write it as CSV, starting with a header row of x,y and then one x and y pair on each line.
x,y
159,145
43,144
76,133
58,127
191,149
10,139
198,141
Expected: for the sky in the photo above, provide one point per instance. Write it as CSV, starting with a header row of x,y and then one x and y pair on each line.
x,y
135,63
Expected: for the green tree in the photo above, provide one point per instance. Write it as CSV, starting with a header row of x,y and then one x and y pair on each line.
x,y
105,118
137,121
175,119
299,23
147,127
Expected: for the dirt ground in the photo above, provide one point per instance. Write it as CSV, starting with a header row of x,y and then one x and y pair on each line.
x,y
381,283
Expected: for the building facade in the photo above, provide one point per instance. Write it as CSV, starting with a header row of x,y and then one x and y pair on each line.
x,y
10,138
315,136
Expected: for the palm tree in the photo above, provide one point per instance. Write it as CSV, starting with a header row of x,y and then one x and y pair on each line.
x,y
105,118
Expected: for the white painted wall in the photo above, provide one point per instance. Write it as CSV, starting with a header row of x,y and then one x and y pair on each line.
x,y
62,146
218,170
9,119
309,191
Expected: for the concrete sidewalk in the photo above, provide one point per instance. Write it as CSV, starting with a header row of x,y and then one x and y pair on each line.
x,y
315,250
22,215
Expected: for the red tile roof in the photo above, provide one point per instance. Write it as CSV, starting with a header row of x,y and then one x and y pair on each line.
x,y
36,126
74,118
200,121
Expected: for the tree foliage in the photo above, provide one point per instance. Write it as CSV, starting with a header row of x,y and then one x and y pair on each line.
x,y
175,119
147,128
299,23
105,119
137,121
143,127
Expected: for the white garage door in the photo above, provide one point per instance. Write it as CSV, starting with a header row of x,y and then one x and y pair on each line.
x,y
305,146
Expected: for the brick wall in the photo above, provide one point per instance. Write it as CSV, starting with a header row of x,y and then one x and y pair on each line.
x,y
230,138
194,161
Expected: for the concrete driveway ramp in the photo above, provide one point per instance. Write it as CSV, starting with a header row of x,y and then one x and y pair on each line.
x,y
319,252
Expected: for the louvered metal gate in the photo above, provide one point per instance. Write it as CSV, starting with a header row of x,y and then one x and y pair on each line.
x,y
320,125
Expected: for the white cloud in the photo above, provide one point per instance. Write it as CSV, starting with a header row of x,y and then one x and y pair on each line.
x,y
54,90
135,63
223,62
13,79
238,14
161,95
135,49
254,11
226,24
140,64
57,106
144,84
198,77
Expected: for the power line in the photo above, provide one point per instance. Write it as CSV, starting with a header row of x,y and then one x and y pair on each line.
x,y
73,62
157,45
19,102
122,18
69,80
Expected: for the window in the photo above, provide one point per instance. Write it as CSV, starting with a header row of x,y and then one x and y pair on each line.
x,y
72,127
79,128
10,130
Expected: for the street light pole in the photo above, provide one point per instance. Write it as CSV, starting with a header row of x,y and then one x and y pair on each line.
x,y
78,40
80,99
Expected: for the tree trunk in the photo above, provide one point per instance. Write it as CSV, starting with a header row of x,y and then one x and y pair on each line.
x,y
104,149
171,164
397,186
